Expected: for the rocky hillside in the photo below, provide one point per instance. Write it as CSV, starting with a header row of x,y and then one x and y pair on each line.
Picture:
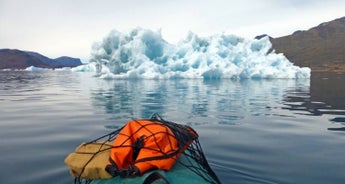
x,y
17,59
59,62
322,48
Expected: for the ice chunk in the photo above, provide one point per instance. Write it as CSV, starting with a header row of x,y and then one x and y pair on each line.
x,y
143,53
90,67
34,69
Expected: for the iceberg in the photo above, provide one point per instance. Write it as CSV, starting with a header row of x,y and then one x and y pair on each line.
x,y
143,53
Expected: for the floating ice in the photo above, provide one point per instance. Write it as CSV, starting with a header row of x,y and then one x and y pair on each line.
x,y
144,53
35,69
91,67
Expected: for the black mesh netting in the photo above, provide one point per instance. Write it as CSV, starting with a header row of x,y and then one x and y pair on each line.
x,y
188,153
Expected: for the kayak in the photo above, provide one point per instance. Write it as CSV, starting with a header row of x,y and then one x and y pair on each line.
x,y
177,175
143,151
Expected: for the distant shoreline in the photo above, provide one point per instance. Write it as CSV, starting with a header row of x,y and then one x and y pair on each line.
x,y
335,69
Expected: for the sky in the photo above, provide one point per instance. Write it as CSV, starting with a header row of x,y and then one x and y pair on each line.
x,y
57,28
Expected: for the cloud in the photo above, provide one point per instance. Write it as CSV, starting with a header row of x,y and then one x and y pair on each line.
x,y
70,27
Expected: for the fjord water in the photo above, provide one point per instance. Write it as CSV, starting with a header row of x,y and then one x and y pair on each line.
x,y
251,131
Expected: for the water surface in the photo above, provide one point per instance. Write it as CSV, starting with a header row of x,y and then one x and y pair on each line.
x,y
252,131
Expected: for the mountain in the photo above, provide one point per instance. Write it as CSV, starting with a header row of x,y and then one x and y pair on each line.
x,y
322,48
17,59
68,61
59,62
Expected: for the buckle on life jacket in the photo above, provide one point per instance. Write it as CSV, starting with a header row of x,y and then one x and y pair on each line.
x,y
131,171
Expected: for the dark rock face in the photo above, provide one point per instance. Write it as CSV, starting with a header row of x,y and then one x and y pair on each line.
x,y
322,48
17,59
68,61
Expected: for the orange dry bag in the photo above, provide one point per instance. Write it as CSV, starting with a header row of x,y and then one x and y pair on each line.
x,y
144,145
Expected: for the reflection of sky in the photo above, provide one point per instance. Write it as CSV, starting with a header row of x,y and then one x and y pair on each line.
x,y
18,84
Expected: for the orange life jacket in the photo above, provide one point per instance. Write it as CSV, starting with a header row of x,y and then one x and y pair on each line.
x,y
144,145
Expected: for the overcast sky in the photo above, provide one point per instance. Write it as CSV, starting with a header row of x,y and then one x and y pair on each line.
x,y
70,27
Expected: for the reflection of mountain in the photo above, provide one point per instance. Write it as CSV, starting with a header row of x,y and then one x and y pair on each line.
x,y
337,129
326,96
340,120
328,88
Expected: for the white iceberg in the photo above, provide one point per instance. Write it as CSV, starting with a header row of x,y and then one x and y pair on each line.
x,y
143,53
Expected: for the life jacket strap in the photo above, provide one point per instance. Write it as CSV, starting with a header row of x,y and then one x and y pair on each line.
x,y
112,168
139,143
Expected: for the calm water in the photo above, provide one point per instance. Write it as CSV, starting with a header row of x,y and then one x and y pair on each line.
x,y
252,131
